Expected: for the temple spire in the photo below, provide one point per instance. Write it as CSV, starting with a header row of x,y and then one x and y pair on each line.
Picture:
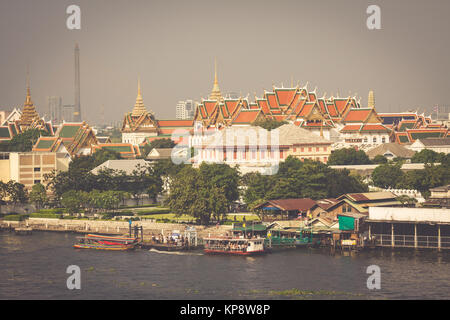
x,y
371,100
139,107
29,113
215,93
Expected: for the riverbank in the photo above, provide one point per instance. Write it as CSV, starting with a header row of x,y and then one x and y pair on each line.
x,y
112,227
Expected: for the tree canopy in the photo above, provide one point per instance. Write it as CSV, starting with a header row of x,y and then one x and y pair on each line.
x,y
24,141
428,156
298,179
205,192
269,124
348,156
158,143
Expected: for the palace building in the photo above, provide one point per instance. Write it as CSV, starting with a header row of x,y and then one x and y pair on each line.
x,y
19,121
255,149
140,126
341,120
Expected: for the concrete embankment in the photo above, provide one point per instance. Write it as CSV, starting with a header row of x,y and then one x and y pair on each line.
x,y
110,227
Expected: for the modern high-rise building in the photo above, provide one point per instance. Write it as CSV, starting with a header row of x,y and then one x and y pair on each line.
x,y
68,112
54,109
185,109
77,109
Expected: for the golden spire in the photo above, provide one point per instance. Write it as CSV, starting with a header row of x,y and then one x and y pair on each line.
x,y
29,113
139,107
371,100
215,93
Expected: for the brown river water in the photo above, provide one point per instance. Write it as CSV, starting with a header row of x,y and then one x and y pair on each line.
x,y
34,267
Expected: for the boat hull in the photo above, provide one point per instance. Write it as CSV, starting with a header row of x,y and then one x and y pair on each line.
x,y
99,247
238,253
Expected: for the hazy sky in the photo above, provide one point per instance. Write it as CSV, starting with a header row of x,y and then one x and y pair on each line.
x,y
171,45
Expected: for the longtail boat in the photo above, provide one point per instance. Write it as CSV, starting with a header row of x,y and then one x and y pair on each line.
x,y
99,242
234,246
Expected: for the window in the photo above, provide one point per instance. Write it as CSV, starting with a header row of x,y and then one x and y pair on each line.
x,y
374,139
37,169
383,140
365,139
309,149
37,181
303,150
317,149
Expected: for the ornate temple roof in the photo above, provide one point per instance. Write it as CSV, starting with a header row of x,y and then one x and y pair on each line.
x,y
29,113
139,107
215,93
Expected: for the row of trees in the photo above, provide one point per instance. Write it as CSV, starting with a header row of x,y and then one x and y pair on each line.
x,y
74,200
23,142
209,191
391,176
300,179
351,156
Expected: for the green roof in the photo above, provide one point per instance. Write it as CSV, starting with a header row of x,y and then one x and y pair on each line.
x,y
118,148
421,135
44,144
403,139
4,132
68,131
406,125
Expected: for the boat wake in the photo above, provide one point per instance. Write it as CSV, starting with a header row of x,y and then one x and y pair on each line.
x,y
179,253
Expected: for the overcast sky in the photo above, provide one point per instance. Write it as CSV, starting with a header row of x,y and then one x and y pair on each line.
x,y
171,45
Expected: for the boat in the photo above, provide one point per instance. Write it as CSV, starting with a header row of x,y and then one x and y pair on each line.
x,y
100,242
234,246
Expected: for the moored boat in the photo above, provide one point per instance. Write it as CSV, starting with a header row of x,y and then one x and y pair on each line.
x,y
100,242
234,246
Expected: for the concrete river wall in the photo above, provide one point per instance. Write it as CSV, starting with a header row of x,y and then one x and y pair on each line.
x,y
111,227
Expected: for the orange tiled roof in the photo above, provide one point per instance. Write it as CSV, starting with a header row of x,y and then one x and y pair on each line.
x,y
356,115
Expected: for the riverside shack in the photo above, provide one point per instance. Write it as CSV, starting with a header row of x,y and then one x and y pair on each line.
x,y
285,209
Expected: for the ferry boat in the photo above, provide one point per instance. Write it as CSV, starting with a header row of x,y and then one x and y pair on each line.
x,y
99,242
235,246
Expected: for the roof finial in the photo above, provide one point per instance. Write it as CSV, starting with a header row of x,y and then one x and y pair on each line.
x,y
215,71
28,84
139,86
371,100
215,93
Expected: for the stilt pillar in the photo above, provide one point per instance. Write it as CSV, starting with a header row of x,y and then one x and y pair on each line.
x,y
392,235
415,235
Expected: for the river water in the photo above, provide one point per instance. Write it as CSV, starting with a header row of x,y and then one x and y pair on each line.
x,y
34,267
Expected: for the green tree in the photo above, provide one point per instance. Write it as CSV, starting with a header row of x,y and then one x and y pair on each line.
x,y
380,159
16,192
38,195
428,156
269,124
3,190
23,142
387,176
74,200
158,143
348,156
204,192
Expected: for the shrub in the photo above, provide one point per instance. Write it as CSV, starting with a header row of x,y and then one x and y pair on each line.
x,y
153,211
45,215
15,217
